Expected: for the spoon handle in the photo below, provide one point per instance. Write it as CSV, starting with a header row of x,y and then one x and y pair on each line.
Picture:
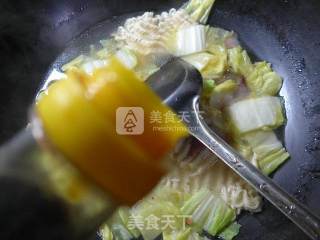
x,y
289,206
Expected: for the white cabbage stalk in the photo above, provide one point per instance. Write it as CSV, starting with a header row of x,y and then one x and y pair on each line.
x,y
256,113
230,232
199,60
263,142
191,40
211,65
267,150
271,162
199,10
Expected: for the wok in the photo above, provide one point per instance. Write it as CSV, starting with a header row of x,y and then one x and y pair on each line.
x,y
283,32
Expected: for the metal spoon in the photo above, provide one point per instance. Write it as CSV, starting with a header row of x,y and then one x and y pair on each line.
x,y
179,84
